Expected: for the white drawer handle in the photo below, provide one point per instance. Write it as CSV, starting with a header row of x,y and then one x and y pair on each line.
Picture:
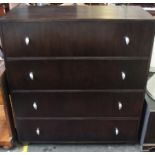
x,y
35,106
127,40
31,75
116,131
38,131
27,41
123,75
120,106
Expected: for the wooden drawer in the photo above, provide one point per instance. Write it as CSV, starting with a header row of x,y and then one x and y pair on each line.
x,y
77,74
77,130
77,104
77,38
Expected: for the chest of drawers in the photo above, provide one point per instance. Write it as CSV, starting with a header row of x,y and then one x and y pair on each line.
x,y
77,73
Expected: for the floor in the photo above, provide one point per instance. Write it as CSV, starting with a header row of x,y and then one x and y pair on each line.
x,y
74,148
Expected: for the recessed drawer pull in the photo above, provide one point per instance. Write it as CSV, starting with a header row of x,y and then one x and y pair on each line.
x,y
27,41
35,105
123,75
31,75
120,106
127,40
116,131
38,131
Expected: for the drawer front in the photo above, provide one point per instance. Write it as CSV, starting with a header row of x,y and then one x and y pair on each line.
x,y
77,74
78,38
77,130
77,104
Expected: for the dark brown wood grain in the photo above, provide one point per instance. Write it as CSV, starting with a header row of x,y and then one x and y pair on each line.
x,y
77,55
47,13
77,74
77,104
78,38
77,130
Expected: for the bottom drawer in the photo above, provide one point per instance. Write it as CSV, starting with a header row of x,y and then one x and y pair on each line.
x,y
77,130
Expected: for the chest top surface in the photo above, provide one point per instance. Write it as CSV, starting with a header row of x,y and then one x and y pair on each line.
x,y
50,13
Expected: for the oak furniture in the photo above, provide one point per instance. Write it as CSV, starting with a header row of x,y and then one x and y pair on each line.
x,y
6,132
6,125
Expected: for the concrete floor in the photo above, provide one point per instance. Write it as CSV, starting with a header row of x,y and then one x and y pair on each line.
x,y
74,148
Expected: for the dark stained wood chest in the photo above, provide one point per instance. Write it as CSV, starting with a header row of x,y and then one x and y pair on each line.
x,y
77,73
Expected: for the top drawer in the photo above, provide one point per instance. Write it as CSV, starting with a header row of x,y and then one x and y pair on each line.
x,y
78,38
